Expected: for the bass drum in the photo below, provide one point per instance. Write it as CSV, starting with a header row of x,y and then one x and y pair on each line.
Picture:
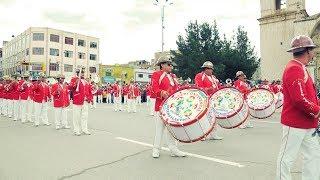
x,y
261,102
186,115
229,107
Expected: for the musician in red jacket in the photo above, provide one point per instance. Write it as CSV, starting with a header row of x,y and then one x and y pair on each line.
x,y
116,90
265,84
1,96
242,85
41,97
132,98
60,94
6,99
16,96
163,84
300,113
210,84
82,97
24,93
10,91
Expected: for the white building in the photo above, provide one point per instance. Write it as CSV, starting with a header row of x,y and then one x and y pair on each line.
x,y
51,51
142,75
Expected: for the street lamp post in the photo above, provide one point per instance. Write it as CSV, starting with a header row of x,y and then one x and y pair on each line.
x,y
162,4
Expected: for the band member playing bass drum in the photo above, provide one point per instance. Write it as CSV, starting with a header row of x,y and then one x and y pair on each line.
x,y
242,85
163,84
209,83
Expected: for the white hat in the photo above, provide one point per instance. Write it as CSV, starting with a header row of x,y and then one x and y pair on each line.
x,y
207,64
239,73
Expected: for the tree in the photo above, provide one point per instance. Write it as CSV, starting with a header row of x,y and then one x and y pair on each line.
x,y
202,42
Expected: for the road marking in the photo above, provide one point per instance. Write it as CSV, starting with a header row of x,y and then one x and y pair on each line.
x,y
189,154
261,121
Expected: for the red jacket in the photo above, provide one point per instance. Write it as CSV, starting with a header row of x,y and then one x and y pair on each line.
x,y
131,92
208,83
60,95
300,98
83,93
41,92
24,90
1,90
15,91
162,81
9,90
242,86
277,88
125,89
116,90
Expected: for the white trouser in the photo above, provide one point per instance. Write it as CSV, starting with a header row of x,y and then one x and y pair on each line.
x,y
1,105
23,110
139,100
108,98
16,109
10,108
80,117
99,98
117,103
30,110
60,114
132,105
5,107
152,105
41,111
160,130
294,140
94,104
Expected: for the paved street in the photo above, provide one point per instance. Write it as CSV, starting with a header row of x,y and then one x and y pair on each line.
x,y
119,148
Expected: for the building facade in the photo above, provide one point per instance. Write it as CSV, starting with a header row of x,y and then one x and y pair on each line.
x,y
280,22
50,51
112,73
1,72
143,76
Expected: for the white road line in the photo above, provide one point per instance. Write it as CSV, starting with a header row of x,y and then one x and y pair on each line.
x,y
261,121
189,154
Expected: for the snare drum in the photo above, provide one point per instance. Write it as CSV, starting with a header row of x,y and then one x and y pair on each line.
x,y
229,107
186,115
261,103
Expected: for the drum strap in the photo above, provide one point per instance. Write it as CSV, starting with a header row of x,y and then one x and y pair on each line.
x,y
211,79
164,74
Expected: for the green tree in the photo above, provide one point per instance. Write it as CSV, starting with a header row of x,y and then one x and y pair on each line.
x,y
202,42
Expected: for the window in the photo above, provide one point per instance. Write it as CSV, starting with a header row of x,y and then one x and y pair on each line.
x,y
150,76
54,52
93,57
140,75
37,51
68,40
27,52
93,45
81,43
38,36
54,38
36,67
81,55
68,54
281,4
92,69
68,68
54,67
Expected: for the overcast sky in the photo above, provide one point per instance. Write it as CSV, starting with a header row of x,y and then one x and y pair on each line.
x,y
131,29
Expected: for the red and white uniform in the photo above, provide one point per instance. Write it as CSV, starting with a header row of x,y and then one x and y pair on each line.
x,y
60,94
266,86
299,122
208,83
132,103
162,81
82,96
116,89
41,95
242,86
277,88
125,91
2,98
24,94
10,102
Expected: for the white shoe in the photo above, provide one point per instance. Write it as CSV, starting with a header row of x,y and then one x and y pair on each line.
x,y
77,133
57,127
36,125
242,126
86,132
66,127
249,126
177,153
155,153
47,124
216,137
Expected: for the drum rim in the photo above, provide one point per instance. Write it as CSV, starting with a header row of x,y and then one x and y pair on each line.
x,y
199,116
247,116
233,114
260,109
266,116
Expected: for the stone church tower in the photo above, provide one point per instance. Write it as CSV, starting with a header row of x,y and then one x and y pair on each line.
x,y
280,21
